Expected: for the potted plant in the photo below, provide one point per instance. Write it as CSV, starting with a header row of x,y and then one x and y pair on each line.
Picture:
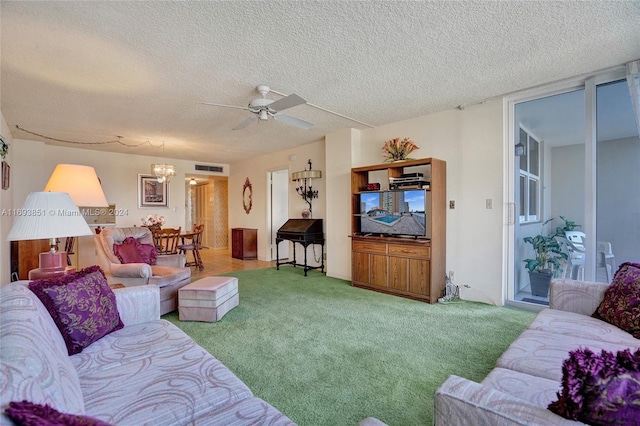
x,y
547,263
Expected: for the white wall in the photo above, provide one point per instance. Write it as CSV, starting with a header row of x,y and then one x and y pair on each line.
x,y
471,143
618,203
34,161
567,183
6,205
256,169
342,150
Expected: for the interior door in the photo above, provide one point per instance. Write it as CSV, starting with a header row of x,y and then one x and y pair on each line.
x,y
279,210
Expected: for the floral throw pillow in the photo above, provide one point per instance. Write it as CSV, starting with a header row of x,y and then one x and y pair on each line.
x,y
81,304
600,389
132,251
26,413
621,303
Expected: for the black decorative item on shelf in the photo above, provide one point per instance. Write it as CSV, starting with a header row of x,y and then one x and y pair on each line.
x,y
305,190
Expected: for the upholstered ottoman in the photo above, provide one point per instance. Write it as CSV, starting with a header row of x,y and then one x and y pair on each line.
x,y
208,299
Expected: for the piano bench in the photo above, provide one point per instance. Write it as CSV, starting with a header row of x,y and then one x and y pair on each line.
x,y
208,299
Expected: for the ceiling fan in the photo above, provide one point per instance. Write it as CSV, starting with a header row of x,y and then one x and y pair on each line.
x,y
263,108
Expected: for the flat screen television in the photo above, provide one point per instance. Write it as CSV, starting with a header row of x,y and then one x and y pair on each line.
x,y
400,212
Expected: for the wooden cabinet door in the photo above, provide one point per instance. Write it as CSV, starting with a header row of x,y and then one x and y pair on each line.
x,y
419,273
379,270
399,273
361,267
236,243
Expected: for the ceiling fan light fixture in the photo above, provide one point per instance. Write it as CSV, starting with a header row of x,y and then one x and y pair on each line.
x,y
263,115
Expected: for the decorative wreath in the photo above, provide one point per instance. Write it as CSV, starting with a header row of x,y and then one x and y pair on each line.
x,y
4,148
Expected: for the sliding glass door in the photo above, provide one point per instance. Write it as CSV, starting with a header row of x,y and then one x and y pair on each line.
x,y
617,180
573,161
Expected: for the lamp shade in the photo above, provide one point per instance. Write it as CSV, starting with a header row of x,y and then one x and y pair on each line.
x,y
306,174
48,215
80,182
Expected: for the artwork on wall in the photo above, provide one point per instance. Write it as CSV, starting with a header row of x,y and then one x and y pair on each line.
x,y
247,196
6,175
152,193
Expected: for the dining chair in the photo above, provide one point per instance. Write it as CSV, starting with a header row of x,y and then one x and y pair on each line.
x,y
69,247
166,240
192,241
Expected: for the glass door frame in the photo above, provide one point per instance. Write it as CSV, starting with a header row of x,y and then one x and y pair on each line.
x,y
588,83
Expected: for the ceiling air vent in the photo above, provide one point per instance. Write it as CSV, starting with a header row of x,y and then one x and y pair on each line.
x,y
218,169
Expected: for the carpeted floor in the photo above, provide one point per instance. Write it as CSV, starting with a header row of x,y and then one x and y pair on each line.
x,y
326,353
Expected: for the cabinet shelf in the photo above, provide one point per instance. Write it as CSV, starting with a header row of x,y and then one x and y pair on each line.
x,y
406,267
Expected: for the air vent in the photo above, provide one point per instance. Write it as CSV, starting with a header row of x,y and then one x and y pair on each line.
x,y
218,169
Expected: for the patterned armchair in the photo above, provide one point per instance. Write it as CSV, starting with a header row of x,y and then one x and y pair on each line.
x,y
169,273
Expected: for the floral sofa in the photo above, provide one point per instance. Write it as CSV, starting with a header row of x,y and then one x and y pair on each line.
x,y
532,372
146,371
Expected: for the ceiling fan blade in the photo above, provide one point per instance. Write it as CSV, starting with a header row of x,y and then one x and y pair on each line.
x,y
287,119
287,102
246,122
226,106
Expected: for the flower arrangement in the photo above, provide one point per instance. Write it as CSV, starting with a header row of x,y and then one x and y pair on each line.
x,y
397,149
152,220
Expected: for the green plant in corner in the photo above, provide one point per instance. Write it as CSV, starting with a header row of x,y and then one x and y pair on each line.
x,y
549,257
548,252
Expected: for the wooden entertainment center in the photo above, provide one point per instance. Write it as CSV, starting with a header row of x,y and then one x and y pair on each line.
x,y
412,267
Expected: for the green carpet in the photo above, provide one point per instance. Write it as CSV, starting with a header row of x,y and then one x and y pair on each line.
x,y
326,353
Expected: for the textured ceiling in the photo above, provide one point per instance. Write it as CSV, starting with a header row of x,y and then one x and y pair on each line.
x,y
92,71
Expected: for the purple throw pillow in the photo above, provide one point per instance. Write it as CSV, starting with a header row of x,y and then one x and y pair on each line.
x,y
600,389
132,251
81,304
128,252
26,413
148,252
621,303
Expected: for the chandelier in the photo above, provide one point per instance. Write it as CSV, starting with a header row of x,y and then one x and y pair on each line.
x,y
163,172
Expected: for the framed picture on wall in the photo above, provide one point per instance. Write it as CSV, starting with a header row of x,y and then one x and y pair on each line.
x,y
152,193
6,175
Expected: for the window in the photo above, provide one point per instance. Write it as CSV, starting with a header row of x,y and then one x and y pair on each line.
x,y
529,178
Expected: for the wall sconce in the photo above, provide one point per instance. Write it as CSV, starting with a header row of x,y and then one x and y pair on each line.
x,y
519,149
305,190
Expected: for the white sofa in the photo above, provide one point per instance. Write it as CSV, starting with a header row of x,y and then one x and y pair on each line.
x,y
528,374
148,372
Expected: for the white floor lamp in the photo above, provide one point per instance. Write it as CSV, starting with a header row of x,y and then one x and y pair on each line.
x,y
82,184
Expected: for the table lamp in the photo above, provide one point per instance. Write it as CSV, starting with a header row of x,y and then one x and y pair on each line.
x,y
80,182
48,215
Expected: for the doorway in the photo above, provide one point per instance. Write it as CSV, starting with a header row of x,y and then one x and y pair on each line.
x,y
278,209
572,156
206,202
